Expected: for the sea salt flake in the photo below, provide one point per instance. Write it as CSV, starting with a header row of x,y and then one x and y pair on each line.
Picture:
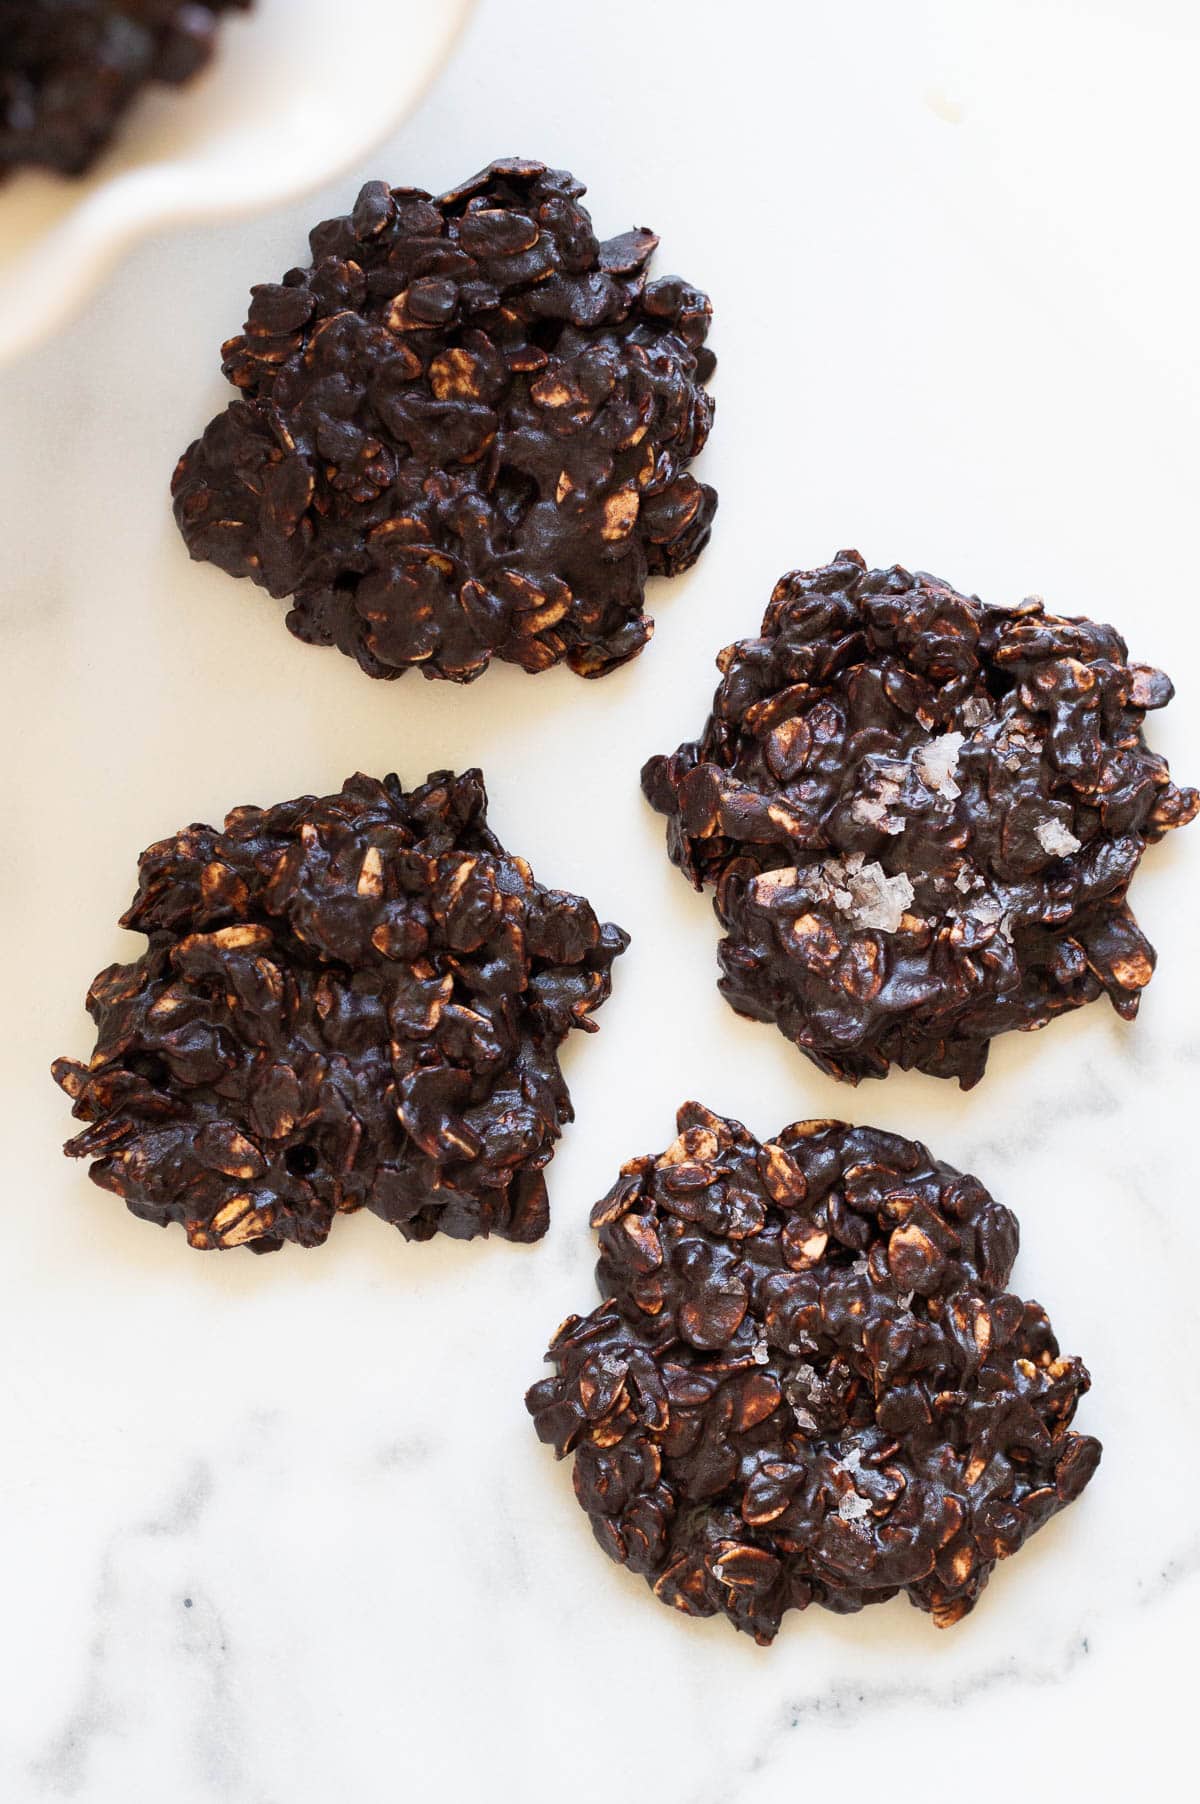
x,y
870,813
852,1507
852,1461
990,912
798,1390
761,1353
865,893
905,1298
1054,838
880,901
1014,742
937,762
873,807
974,711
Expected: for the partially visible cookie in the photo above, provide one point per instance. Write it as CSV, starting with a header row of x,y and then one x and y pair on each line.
x,y
464,433
808,1382
921,816
69,70
348,1001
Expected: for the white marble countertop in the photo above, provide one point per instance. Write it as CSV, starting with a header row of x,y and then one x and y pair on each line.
x,y
247,1555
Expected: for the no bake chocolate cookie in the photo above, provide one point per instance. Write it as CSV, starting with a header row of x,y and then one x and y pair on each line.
x,y
464,432
70,69
921,817
349,1001
808,1382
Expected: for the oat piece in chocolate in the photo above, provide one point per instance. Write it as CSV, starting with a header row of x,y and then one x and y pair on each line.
x,y
348,1001
464,433
70,69
921,816
807,1382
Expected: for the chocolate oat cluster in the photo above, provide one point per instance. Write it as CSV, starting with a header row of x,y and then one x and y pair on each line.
x,y
807,1382
464,433
348,1001
921,817
69,69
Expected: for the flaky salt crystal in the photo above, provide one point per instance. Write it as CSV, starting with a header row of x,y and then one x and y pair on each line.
x,y
798,1390
991,913
974,711
870,813
873,809
852,1461
864,893
877,900
852,1507
1017,740
937,762
1054,838
761,1353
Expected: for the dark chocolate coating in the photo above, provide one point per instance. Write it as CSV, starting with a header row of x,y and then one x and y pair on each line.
x,y
464,433
921,816
808,1382
348,1001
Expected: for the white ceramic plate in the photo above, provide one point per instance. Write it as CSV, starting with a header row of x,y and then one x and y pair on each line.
x,y
296,92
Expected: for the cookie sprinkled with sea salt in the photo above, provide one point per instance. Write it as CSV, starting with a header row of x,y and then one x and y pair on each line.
x,y
921,817
808,1381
